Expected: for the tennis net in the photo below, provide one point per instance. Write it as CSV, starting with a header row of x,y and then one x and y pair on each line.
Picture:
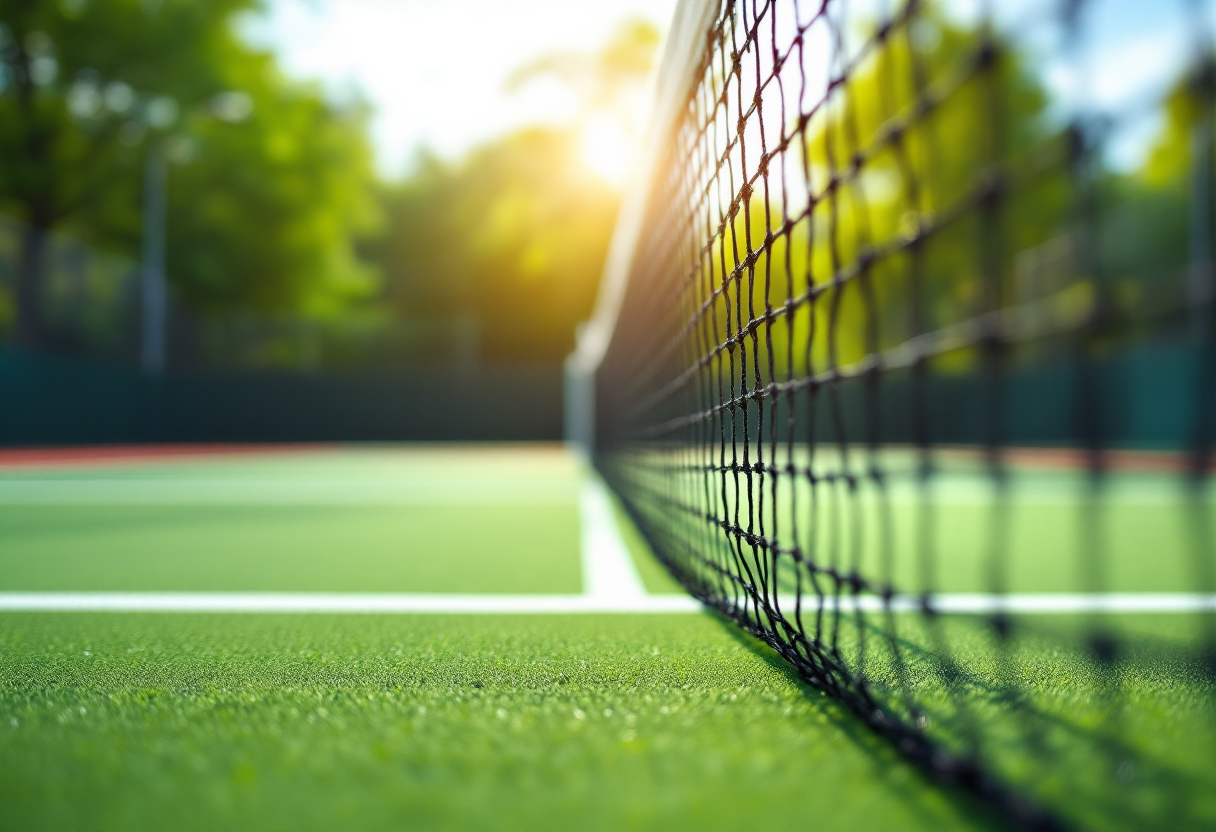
x,y
905,344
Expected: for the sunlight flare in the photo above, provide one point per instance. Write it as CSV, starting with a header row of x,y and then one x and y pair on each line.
x,y
607,147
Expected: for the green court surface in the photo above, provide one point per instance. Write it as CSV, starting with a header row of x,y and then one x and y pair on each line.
x,y
340,522
373,721
367,722
302,548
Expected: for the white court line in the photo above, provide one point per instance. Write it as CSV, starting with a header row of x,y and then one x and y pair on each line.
x,y
1026,603
611,584
609,572
323,602
610,578
374,602
1051,602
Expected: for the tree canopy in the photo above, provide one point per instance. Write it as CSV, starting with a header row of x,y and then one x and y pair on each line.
x,y
514,234
270,183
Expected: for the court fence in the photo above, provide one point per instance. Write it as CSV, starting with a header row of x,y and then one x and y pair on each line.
x,y
48,400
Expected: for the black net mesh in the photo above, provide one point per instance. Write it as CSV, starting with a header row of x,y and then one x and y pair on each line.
x,y
917,342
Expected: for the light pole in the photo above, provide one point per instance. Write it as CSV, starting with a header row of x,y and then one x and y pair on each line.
x,y
231,107
153,291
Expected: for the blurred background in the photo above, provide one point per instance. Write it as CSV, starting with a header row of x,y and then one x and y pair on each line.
x,y
292,220
255,220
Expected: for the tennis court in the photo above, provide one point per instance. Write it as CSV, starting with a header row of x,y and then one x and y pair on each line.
x,y
886,493
551,718
452,719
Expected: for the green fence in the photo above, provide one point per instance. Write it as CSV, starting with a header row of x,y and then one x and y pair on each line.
x,y
1146,396
46,400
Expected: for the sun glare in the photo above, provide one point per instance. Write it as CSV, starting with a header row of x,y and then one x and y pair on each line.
x,y
607,147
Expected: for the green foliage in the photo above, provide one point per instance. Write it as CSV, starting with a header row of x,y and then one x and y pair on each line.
x,y
514,234
1151,212
883,172
272,203
268,212
269,184
898,239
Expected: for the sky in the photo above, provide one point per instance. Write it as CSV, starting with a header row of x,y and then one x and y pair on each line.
x,y
435,70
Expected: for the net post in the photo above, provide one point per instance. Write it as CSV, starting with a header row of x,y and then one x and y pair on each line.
x,y
578,401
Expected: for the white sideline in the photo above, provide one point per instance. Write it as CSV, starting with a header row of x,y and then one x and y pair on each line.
x,y
1027,603
611,584
375,602
331,602
1060,602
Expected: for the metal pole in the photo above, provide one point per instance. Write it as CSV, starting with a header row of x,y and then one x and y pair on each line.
x,y
154,293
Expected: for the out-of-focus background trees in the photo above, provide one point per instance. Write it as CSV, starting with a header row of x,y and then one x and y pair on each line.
x,y
136,132
283,246
511,239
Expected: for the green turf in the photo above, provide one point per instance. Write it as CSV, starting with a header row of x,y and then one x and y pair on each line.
x,y
335,548
1125,744
278,722
361,475
655,578
370,722
1040,540
1036,538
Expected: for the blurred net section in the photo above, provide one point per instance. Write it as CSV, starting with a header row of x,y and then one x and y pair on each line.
x,y
914,316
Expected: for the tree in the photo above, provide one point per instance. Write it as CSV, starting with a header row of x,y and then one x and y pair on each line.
x,y
868,194
265,214
1158,215
515,233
